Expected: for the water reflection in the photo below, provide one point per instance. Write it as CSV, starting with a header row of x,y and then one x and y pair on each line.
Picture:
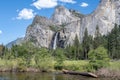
x,y
45,76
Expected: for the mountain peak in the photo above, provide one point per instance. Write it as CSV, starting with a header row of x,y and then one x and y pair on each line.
x,y
60,7
63,15
61,10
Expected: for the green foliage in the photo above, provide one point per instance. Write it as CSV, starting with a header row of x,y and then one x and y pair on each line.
x,y
2,48
76,47
114,42
77,65
76,42
98,58
98,38
74,52
54,28
43,59
86,44
59,57
114,65
13,64
29,56
69,52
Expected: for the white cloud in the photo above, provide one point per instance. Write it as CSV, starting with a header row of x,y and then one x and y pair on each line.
x,y
83,4
0,32
26,14
68,1
39,4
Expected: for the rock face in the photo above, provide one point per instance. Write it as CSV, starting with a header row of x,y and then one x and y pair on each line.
x,y
60,30
62,15
103,16
70,21
117,11
39,32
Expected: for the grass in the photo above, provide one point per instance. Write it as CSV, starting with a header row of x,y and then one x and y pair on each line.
x,y
7,63
79,65
20,64
115,65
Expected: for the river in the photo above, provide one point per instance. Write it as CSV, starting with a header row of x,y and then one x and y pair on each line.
x,y
45,76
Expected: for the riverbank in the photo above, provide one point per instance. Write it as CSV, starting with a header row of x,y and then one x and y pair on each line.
x,y
113,70
18,65
105,72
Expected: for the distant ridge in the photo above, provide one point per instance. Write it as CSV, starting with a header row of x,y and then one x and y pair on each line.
x,y
15,42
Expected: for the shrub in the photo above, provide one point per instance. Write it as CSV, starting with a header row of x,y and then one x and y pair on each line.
x,y
59,57
75,65
43,60
98,58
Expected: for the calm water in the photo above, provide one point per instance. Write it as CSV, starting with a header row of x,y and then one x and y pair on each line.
x,y
45,76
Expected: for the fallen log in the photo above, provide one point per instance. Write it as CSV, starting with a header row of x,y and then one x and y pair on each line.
x,y
88,74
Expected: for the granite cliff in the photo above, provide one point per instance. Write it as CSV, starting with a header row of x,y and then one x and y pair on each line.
x,y
60,30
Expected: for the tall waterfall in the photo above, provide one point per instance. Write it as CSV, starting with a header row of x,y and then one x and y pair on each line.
x,y
55,41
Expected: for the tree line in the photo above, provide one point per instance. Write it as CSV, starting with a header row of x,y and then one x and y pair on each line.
x,y
110,41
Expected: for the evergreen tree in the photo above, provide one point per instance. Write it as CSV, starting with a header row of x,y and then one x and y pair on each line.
x,y
86,44
2,48
68,52
98,38
91,42
114,42
77,47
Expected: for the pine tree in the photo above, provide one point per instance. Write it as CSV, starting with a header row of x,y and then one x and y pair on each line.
x,y
86,44
98,38
76,45
2,48
114,42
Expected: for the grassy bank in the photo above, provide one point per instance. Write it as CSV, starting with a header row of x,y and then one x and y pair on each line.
x,y
49,65
81,65
76,65
115,65
21,65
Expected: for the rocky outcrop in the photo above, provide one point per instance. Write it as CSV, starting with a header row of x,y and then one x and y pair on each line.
x,y
65,24
39,32
117,11
63,16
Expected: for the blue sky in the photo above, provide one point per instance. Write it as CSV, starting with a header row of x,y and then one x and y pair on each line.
x,y
16,15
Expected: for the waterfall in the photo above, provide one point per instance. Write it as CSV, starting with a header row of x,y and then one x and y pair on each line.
x,y
55,41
